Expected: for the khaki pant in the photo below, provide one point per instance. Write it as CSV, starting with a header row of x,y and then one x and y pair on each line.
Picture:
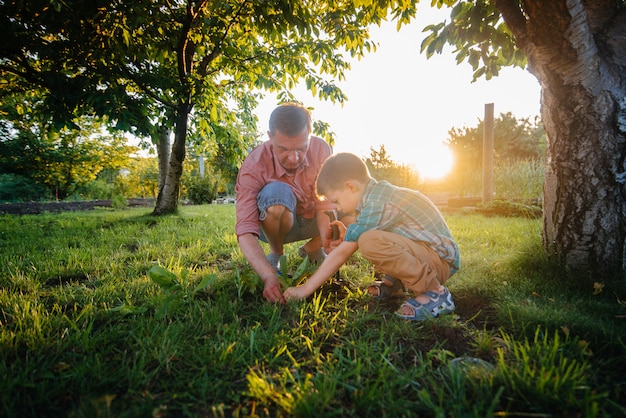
x,y
417,265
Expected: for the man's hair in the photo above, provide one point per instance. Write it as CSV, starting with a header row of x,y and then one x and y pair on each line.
x,y
290,119
339,168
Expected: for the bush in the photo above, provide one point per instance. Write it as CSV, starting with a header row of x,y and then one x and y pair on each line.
x,y
15,188
512,179
201,190
99,189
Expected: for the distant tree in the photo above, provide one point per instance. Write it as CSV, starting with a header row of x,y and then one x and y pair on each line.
x,y
382,167
141,178
514,139
63,160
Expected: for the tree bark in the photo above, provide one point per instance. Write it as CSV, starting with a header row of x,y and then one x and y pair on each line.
x,y
164,150
167,200
576,51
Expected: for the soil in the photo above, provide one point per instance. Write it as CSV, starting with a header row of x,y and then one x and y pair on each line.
x,y
34,208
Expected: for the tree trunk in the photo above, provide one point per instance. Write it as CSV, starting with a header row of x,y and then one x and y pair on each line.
x,y
164,150
167,200
577,55
583,202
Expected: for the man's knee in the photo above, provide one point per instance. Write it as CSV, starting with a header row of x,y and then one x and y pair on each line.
x,y
276,211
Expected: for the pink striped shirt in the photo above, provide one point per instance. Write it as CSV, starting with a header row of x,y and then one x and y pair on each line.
x,y
262,167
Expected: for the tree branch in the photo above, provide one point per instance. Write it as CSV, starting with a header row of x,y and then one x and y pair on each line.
x,y
217,48
515,20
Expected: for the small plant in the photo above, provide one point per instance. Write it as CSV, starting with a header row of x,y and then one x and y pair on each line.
x,y
304,269
119,202
174,289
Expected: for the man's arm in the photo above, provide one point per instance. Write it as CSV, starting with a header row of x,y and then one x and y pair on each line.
x,y
329,267
323,222
253,251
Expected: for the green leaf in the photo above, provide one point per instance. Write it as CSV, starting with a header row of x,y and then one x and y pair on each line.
x,y
205,282
283,263
304,265
163,277
125,309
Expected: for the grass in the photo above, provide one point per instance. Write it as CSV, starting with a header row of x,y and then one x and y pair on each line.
x,y
516,180
86,331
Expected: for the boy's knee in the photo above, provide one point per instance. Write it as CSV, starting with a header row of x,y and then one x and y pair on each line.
x,y
370,242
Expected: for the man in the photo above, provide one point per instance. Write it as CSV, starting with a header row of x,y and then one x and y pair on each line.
x,y
276,199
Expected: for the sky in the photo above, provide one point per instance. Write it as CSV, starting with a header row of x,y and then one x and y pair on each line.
x,y
400,99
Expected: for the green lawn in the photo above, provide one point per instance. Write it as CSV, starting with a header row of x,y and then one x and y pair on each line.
x,y
86,332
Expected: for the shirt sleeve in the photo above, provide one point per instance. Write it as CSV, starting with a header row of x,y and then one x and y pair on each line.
x,y
246,190
369,218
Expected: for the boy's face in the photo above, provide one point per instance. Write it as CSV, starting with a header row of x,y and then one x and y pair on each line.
x,y
346,198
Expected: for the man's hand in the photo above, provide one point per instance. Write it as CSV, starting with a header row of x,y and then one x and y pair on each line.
x,y
272,292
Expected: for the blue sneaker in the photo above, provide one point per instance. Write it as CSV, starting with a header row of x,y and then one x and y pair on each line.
x,y
315,257
274,260
438,305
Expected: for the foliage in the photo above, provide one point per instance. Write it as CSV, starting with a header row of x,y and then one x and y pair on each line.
x,y
152,65
478,35
16,188
61,160
514,139
140,179
520,180
382,167
510,208
201,189
81,302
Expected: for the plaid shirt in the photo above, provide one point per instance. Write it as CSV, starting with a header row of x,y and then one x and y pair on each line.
x,y
405,212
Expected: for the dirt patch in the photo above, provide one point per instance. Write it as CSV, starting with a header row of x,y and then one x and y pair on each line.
x,y
34,208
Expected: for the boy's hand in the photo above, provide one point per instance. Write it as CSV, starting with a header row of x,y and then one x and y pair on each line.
x,y
329,243
295,293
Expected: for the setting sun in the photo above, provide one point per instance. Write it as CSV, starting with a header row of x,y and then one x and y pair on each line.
x,y
433,161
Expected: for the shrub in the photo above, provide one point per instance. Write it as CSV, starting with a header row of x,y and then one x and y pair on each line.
x,y
16,188
99,189
521,180
200,189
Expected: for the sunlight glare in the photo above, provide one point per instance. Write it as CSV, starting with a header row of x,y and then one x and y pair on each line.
x,y
433,162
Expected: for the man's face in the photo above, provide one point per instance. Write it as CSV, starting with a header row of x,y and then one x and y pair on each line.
x,y
290,151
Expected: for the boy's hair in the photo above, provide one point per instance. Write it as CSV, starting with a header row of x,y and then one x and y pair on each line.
x,y
290,119
339,168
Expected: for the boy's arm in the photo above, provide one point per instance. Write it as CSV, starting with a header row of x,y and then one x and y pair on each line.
x,y
331,264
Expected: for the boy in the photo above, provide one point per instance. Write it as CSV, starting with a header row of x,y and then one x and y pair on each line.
x,y
400,231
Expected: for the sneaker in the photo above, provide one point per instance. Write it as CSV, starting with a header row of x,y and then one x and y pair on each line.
x,y
438,305
316,257
274,260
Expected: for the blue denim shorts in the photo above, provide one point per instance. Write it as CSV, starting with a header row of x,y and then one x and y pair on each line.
x,y
279,193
